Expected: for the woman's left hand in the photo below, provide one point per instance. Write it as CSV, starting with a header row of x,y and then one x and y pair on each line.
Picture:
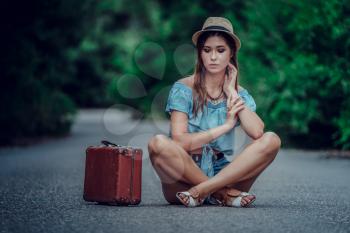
x,y
234,105
230,81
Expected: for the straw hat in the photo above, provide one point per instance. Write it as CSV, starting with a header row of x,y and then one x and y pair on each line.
x,y
217,24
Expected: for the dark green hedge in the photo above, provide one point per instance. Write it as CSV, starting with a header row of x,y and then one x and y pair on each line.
x,y
61,54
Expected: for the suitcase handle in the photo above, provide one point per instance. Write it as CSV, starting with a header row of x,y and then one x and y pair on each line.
x,y
107,143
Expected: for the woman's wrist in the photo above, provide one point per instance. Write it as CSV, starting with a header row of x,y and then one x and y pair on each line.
x,y
228,126
231,92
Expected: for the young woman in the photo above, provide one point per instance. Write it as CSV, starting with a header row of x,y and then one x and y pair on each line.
x,y
205,107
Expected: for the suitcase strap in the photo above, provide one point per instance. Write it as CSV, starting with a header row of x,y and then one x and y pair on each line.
x,y
132,174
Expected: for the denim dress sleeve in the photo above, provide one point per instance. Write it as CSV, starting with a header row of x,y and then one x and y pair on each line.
x,y
180,99
248,99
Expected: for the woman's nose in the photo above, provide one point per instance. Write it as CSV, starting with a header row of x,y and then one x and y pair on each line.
x,y
213,56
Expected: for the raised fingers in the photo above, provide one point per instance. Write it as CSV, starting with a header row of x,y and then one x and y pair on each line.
x,y
228,102
236,99
238,103
235,110
232,101
236,107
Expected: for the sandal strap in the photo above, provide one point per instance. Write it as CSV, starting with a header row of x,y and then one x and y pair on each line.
x,y
193,197
238,195
245,194
233,192
192,201
237,202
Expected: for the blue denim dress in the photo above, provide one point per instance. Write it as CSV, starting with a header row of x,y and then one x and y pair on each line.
x,y
213,115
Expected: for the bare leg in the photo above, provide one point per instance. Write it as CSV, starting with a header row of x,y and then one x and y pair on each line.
x,y
174,166
245,184
246,166
169,161
172,163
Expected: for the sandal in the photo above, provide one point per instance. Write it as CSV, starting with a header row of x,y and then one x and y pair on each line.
x,y
193,198
233,202
236,202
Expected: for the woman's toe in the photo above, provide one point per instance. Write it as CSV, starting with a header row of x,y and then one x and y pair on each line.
x,y
251,198
184,198
247,200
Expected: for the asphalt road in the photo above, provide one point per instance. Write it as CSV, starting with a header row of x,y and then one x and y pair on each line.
x,y
42,186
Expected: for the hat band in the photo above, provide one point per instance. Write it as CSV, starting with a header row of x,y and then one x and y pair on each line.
x,y
216,28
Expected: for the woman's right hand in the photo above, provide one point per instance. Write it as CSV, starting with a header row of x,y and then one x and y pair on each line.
x,y
234,105
230,80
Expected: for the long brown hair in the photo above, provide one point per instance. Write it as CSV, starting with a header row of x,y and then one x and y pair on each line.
x,y
200,93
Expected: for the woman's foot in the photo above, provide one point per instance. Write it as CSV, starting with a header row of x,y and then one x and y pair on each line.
x,y
190,198
227,197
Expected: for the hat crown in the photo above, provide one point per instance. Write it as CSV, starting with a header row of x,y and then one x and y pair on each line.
x,y
217,24
218,21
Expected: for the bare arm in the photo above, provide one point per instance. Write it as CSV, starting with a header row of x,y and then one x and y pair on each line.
x,y
192,141
251,123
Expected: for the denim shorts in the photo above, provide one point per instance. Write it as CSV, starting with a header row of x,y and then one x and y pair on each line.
x,y
217,164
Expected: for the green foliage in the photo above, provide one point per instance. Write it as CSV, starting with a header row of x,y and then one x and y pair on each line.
x,y
37,66
298,60
59,54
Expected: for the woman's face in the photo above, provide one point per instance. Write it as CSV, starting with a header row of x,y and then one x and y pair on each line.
x,y
215,54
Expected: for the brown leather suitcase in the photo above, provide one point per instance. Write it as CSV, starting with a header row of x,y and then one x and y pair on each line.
x,y
113,174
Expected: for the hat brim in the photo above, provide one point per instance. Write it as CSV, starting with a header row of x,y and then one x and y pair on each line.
x,y
198,33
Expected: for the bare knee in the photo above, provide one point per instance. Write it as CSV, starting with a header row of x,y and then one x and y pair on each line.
x,y
270,143
157,144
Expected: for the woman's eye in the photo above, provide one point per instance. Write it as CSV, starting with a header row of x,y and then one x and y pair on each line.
x,y
206,50
221,50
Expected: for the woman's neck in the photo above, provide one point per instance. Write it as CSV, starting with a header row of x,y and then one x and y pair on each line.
x,y
214,82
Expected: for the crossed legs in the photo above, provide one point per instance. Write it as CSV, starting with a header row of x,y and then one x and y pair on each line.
x,y
178,172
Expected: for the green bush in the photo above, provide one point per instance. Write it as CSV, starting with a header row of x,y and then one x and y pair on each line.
x,y
37,66
296,57
294,60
